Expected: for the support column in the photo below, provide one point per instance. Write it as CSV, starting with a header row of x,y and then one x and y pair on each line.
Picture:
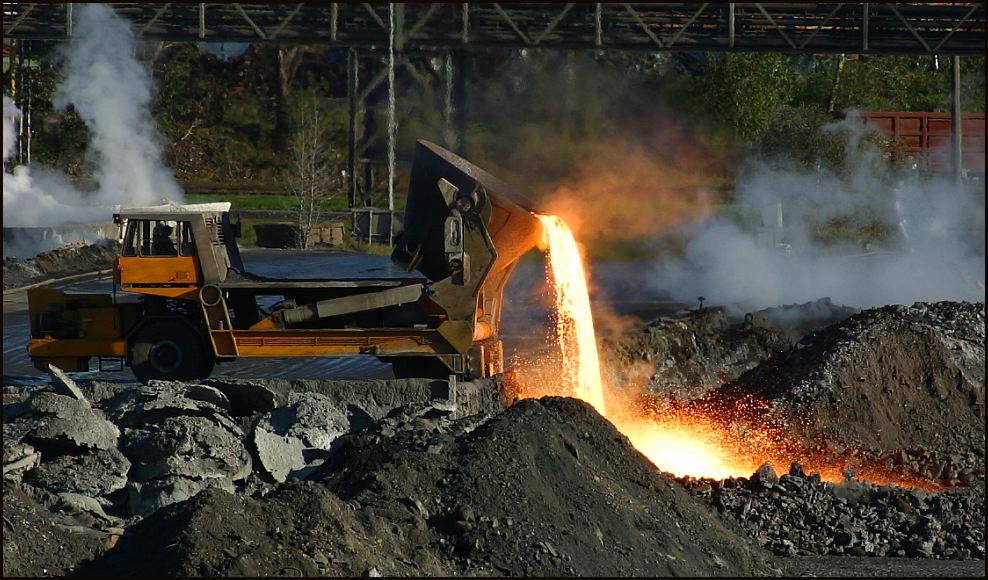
x,y
351,139
371,150
956,120
459,98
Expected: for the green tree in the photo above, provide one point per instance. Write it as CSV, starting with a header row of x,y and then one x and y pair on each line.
x,y
741,91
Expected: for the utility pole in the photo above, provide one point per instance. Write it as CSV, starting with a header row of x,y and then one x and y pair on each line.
x,y
956,123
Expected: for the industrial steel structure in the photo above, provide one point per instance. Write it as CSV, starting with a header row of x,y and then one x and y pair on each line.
x,y
956,28
387,38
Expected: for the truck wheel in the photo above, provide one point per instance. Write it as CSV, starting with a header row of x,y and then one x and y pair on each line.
x,y
170,350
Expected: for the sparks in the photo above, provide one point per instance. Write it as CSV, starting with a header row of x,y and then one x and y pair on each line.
x,y
682,443
574,319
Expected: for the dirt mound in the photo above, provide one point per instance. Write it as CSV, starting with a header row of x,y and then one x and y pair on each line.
x,y
65,261
545,488
37,542
684,357
302,529
889,378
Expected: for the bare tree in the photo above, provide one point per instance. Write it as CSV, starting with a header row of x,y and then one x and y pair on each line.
x,y
314,170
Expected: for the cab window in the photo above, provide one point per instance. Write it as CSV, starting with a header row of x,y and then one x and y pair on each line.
x,y
186,240
158,238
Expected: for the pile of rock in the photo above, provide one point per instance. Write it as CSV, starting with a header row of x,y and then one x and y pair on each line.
x,y
684,357
56,440
798,514
547,487
884,380
65,261
132,449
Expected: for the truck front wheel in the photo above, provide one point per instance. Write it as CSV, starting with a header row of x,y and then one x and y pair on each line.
x,y
170,350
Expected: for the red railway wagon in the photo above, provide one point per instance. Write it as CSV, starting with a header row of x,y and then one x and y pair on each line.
x,y
926,138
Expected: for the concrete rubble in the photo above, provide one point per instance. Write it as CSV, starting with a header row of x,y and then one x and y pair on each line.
x,y
293,440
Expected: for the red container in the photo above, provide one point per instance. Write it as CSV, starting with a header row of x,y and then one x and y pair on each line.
x,y
926,137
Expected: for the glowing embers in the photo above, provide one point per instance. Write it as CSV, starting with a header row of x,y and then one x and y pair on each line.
x,y
684,449
718,441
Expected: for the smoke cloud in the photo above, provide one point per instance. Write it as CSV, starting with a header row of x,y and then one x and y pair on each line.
x,y
930,239
112,92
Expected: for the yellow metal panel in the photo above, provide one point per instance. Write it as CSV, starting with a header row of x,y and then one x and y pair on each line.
x,y
181,293
75,347
99,323
69,364
289,343
141,270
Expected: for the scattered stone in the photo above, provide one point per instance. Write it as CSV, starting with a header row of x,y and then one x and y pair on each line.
x,y
765,476
63,385
19,458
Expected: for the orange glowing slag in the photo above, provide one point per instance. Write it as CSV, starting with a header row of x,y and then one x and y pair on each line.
x,y
682,443
574,319
682,448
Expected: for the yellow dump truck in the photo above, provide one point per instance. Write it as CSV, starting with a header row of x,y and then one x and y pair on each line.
x,y
186,302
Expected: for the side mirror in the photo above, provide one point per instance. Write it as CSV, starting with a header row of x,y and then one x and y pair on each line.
x,y
237,228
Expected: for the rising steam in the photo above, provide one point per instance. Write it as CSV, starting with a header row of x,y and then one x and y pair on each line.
x,y
112,92
933,247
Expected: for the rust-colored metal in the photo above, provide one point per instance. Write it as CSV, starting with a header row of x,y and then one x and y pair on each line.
x,y
926,138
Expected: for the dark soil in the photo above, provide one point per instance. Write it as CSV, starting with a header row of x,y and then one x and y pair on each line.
x,y
888,379
546,488
38,542
681,358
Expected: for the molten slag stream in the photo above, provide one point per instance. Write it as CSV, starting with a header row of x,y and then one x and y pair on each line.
x,y
684,444
574,319
681,448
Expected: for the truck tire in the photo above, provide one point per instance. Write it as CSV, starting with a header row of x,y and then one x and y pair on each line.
x,y
170,350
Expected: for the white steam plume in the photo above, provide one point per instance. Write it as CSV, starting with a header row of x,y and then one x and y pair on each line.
x,y
112,92
937,250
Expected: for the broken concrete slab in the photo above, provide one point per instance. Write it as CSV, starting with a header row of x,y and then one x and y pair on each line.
x,y
66,422
160,400
319,421
15,402
63,385
246,397
279,455
189,446
146,497
74,502
289,438
94,473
